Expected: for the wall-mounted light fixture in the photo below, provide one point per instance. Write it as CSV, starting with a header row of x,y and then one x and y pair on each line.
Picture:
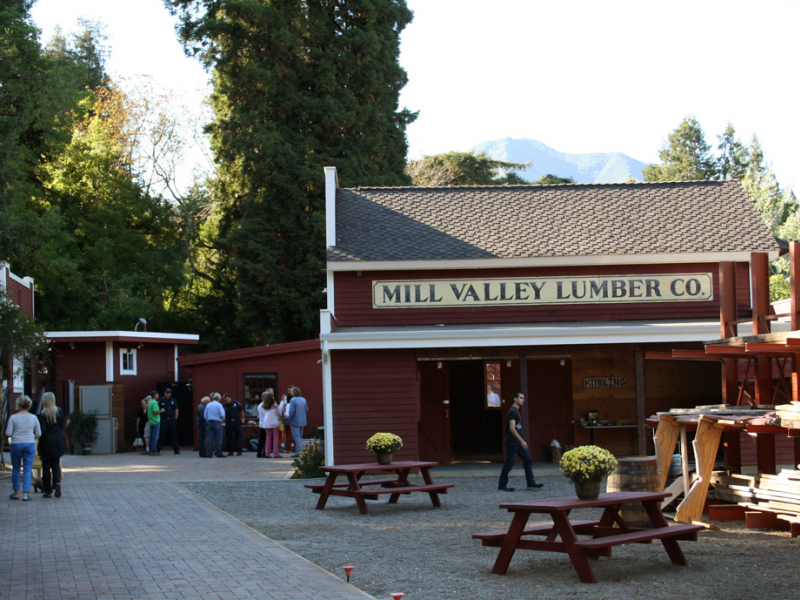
x,y
140,346
508,364
563,362
438,365
71,346
142,322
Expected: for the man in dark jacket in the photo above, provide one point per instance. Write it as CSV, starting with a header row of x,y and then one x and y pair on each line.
x,y
169,418
201,425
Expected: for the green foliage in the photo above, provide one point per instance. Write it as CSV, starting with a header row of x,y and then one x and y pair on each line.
x,y
733,157
684,157
463,168
550,179
20,336
309,461
84,427
298,85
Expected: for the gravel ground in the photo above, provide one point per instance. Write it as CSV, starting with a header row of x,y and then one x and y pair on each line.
x,y
428,553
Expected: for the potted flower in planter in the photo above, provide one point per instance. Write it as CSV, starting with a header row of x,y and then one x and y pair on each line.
x,y
586,467
84,429
383,445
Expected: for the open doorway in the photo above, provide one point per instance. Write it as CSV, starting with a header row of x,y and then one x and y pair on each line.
x,y
475,427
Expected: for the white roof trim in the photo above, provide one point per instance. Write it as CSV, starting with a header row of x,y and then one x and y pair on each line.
x,y
144,335
618,332
543,261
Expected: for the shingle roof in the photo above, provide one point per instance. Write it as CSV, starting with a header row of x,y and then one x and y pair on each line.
x,y
459,223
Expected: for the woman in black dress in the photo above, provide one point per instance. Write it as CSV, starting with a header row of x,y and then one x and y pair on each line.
x,y
52,445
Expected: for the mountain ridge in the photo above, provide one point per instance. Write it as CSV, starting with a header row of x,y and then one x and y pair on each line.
x,y
594,167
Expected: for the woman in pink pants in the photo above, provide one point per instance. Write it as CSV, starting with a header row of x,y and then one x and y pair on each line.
x,y
268,422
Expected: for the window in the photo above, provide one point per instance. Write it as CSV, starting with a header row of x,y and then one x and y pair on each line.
x,y
127,361
254,386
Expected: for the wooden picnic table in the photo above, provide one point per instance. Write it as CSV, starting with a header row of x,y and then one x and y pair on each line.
x,y
399,484
604,534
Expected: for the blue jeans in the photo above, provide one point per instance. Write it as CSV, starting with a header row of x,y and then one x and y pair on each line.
x,y
201,434
22,456
512,449
154,429
297,436
214,432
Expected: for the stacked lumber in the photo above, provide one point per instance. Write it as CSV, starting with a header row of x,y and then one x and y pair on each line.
x,y
789,414
770,493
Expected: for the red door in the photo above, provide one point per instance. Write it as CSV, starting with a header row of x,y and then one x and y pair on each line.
x,y
549,405
434,424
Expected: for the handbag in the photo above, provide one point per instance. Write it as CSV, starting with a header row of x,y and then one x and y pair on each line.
x,y
138,443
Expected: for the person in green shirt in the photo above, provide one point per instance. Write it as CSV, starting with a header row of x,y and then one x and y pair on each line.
x,y
154,418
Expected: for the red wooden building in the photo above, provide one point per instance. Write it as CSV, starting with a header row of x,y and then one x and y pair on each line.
x,y
557,291
18,291
129,363
247,372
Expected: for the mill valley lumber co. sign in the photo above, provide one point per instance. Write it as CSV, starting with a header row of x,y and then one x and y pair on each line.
x,y
530,291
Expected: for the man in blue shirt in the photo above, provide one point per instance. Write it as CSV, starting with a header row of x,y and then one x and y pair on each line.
x,y
214,415
296,416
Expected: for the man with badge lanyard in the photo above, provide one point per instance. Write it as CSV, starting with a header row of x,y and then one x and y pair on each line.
x,y
234,419
169,418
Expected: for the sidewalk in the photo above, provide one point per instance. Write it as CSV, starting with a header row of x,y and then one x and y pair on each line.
x,y
125,529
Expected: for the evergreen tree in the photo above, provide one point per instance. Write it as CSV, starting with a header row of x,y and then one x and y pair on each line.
x,y
684,157
463,168
298,85
733,156
775,205
550,179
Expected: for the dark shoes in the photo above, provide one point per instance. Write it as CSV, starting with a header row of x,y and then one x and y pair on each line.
x,y
220,456
238,454
58,490
535,486
505,488
47,496
177,451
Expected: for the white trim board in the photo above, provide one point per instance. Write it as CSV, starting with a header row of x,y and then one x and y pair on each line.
x,y
543,261
620,332
143,335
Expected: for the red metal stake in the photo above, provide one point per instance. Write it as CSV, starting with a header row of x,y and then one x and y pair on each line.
x,y
397,595
347,571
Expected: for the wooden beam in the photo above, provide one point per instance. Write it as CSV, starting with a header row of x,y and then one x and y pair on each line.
x,y
666,437
732,351
767,348
794,310
640,414
759,267
523,387
692,355
777,337
765,453
706,444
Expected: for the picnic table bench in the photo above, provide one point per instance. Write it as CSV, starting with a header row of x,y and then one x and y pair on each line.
x,y
355,487
604,534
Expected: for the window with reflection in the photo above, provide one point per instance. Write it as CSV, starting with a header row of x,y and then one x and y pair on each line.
x,y
492,382
255,385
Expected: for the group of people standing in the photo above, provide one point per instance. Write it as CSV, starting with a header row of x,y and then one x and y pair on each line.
x,y
156,421
24,429
275,421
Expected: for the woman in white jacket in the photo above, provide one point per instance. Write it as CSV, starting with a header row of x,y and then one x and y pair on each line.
x,y
24,429
268,423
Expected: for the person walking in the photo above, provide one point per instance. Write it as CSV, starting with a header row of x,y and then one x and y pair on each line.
x,y
297,417
516,445
201,426
214,415
169,420
154,420
234,419
268,423
24,430
52,445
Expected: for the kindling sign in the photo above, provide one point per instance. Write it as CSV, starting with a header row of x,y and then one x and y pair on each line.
x,y
595,382
532,291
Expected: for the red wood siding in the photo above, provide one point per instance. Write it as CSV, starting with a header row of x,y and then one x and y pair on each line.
x,y
784,449
20,295
353,298
154,363
374,391
293,368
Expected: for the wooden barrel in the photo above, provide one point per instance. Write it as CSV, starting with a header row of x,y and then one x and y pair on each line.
x,y
635,474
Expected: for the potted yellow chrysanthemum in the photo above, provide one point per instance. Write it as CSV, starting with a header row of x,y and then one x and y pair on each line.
x,y
586,467
383,445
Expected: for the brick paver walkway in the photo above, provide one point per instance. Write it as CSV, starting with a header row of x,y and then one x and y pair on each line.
x,y
125,529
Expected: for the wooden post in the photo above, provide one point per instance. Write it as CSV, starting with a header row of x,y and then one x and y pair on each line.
x,y
794,273
640,414
759,274
523,387
765,453
727,313
666,437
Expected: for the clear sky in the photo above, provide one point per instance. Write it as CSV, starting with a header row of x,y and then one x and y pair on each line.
x,y
577,75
